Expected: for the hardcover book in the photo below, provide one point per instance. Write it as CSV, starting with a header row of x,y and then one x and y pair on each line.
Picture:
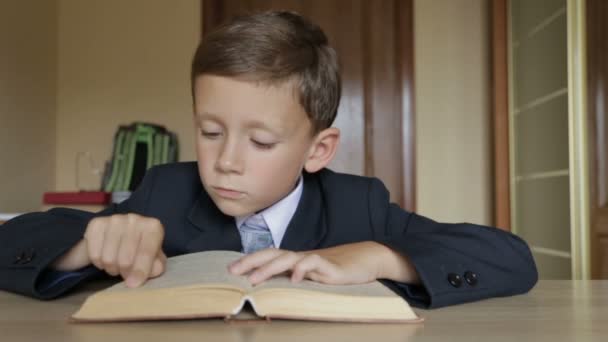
x,y
199,285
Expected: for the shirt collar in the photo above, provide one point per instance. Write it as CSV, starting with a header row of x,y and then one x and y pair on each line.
x,y
278,215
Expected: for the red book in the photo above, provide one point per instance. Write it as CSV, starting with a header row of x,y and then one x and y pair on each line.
x,y
79,197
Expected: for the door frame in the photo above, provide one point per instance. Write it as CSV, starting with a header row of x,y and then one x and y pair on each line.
x,y
500,114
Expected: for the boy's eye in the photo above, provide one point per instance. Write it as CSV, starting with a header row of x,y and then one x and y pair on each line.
x,y
210,135
263,146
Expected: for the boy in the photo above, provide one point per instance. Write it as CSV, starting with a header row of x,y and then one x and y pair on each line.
x,y
266,89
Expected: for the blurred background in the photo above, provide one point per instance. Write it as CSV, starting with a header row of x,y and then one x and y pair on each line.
x,y
483,111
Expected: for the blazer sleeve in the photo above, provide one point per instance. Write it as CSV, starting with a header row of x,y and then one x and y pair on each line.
x,y
31,242
456,263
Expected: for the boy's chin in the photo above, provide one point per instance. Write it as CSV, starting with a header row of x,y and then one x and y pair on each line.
x,y
233,209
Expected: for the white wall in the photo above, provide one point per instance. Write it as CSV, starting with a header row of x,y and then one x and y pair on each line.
x,y
28,58
122,61
452,110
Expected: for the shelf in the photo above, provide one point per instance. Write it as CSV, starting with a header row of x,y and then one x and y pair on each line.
x,y
542,175
551,252
541,100
540,26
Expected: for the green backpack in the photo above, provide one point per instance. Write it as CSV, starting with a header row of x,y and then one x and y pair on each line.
x,y
138,147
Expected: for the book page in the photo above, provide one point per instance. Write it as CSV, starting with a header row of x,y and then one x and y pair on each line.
x,y
373,289
209,267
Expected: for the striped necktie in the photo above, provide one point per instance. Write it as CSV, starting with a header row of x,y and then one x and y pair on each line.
x,y
255,234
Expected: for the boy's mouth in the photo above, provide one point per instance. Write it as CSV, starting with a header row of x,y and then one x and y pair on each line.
x,y
228,193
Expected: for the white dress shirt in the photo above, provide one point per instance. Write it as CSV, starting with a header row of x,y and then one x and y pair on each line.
x,y
278,215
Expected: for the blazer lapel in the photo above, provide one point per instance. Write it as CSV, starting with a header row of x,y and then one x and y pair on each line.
x,y
305,231
218,231
307,227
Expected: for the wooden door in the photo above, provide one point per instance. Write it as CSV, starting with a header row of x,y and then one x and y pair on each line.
x,y
374,41
597,105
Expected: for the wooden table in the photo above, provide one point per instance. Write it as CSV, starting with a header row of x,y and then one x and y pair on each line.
x,y
552,311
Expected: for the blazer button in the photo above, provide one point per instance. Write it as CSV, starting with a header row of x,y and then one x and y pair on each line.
x,y
470,278
19,258
24,257
454,279
29,257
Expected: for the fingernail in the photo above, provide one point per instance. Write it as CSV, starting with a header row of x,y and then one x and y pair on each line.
x,y
132,281
234,268
135,279
254,278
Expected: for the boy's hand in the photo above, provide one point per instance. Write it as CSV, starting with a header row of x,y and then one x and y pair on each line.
x,y
129,245
353,263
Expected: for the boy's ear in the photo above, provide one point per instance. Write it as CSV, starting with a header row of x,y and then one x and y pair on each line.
x,y
322,150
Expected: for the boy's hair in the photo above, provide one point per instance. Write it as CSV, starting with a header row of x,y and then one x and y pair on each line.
x,y
273,48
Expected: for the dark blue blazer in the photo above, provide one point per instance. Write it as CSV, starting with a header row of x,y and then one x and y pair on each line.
x,y
457,263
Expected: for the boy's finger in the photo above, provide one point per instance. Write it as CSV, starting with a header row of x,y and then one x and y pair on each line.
x,y
111,243
300,270
146,253
158,268
128,248
255,260
94,236
318,277
280,264
140,270
159,265
315,268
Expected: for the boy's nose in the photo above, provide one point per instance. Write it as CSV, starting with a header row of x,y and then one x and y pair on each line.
x,y
229,160
227,165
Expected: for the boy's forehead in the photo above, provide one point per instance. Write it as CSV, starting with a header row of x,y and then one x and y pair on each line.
x,y
221,98
287,87
223,85
251,118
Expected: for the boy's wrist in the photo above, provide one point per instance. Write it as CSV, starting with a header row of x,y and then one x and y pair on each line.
x,y
74,259
397,267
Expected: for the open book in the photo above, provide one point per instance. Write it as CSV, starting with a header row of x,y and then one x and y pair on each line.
x,y
198,285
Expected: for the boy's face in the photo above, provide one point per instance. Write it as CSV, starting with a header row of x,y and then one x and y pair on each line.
x,y
252,142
